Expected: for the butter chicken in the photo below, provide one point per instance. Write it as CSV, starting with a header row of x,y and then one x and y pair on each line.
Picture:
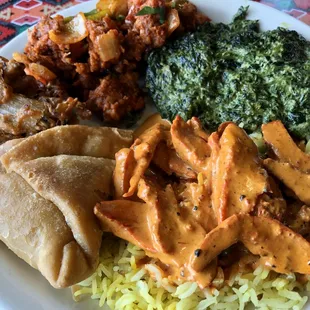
x,y
203,205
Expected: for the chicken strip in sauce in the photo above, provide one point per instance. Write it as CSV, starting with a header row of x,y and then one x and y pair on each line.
x,y
238,178
292,165
279,248
191,143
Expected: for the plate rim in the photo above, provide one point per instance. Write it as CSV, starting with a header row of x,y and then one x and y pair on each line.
x,y
85,6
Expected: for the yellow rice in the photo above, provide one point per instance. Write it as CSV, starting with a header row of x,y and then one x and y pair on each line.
x,y
120,284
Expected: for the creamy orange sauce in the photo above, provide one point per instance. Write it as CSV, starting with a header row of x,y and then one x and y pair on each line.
x,y
213,195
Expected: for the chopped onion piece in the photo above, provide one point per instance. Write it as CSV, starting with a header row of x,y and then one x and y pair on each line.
x,y
173,21
108,45
40,73
99,15
113,8
73,32
22,58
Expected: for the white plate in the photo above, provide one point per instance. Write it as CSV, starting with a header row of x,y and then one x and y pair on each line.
x,y
22,287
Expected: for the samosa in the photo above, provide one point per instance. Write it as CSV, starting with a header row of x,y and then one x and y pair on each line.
x,y
49,184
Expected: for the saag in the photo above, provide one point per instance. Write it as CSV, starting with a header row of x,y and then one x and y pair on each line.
x,y
234,73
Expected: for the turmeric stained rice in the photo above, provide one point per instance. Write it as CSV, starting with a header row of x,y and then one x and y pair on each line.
x,y
121,284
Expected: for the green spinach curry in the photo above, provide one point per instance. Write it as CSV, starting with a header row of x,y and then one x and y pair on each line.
x,y
234,73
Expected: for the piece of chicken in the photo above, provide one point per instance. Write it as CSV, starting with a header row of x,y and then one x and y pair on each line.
x,y
165,156
279,248
127,220
144,148
158,215
238,178
292,165
191,143
124,160
168,160
153,144
173,221
294,179
284,147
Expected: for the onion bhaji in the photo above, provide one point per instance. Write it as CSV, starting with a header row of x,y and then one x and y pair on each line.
x,y
87,63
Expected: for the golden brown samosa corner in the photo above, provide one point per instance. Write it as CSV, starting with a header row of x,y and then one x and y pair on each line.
x,y
47,199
